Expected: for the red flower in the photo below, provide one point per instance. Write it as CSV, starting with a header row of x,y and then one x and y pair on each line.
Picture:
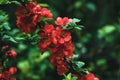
x,y
62,69
6,74
22,11
12,70
1,76
46,13
27,17
57,58
63,35
33,8
46,37
53,59
59,21
4,47
62,21
44,43
68,50
48,28
61,51
27,23
96,78
11,54
88,76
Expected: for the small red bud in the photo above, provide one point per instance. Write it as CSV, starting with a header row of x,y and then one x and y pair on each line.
x,y
11,53
12,70
4,47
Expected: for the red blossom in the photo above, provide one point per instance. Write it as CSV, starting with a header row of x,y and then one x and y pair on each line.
x,y
6,76
53,59
46,37
57,58
68,50
12,70
44,43
4,47
22,11
96,78
48,28
33,8
46,13
27,24
63,35
11,54
62,21
59,21
1,76
28,16
62,69
89,76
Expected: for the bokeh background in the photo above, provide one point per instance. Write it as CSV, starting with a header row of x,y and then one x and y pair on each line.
x,y
97,44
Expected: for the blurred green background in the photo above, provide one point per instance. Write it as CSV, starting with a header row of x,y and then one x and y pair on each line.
x,y
97,44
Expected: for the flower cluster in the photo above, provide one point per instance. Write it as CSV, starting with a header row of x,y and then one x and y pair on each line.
x,y
89,76
5,74
29,15
58,42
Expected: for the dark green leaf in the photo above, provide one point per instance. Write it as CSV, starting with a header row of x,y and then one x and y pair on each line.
x,y
9,38
78,64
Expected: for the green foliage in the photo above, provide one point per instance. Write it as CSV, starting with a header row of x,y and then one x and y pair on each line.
x,y
106,30
91,6
69,77
4,1
73,25
77,65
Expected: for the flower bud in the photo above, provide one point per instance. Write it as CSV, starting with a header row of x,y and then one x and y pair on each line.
x,y
12,70
11,54
4,47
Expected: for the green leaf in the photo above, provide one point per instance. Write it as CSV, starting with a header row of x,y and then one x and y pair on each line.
x,y
78,64
74,78
78,28
108,29
44,5
24,66
91,6
6,26
9,38
68,77
78,4
75,20
15,2
4,1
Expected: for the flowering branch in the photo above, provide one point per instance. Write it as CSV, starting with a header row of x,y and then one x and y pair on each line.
x,y
55,38
4,73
